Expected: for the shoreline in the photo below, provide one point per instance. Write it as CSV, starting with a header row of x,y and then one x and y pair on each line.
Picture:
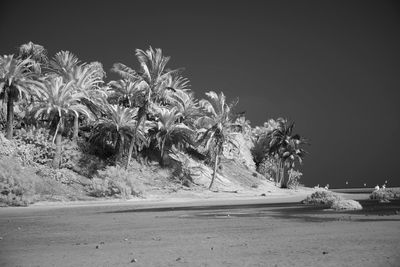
x,y
194,198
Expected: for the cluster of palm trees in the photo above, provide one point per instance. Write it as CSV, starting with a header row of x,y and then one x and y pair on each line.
x,y
275,142
152,107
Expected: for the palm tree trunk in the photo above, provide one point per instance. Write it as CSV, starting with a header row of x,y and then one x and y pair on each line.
x,y
10,118
57,156
76,129
133,143
278,172
132,146
282,183
215,170
162,151
119,147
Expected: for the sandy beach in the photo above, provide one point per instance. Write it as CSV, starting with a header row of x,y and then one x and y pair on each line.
x,y
219,231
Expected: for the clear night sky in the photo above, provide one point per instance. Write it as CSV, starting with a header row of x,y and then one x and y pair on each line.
x,y
333,67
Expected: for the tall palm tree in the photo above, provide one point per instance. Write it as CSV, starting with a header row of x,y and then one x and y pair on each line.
x,y
286,148
86,78
86,81
215,126
169,131
59,100
16,80
152,78
116,128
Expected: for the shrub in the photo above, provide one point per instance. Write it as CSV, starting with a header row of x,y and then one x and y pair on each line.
x,y
17,183
346,204
116,181
70,155
332,200
267,168
321,198
34,145
294,177
385,194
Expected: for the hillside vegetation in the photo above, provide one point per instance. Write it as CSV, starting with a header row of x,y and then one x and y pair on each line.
x,y
69,133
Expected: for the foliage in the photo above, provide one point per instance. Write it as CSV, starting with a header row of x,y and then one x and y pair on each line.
x,y
285,147
331,200
268,168
386,194
346,204
294,177
116,181
322,198
215,125
17,80
37,53
169,131
147,113
17,184
35,142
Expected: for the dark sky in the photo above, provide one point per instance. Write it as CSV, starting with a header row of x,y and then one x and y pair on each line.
x,y
333,67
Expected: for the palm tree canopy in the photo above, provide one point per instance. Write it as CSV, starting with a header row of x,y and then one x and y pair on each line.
x,y
61,98
118,122
125,72
169,130
128,91
16,78
285,145
37,53
63,63
186,105
217,111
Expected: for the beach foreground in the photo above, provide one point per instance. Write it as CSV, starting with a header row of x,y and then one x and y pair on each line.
x,y
225,232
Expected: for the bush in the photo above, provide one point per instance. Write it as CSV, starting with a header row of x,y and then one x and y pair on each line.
x,y
268,168
332,200
34,145
321,198
116,181
294,177
17,183
346,204
7,147
385,194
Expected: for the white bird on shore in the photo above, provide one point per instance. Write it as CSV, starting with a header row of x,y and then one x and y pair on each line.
x,y
377,187
365,184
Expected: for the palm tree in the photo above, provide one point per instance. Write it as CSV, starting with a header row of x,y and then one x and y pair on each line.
x,y
16,80
186,105
86,81
215,126
86,78
116,128
153,78
58,101
37,53
169,131
63,64
285,147
125,92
